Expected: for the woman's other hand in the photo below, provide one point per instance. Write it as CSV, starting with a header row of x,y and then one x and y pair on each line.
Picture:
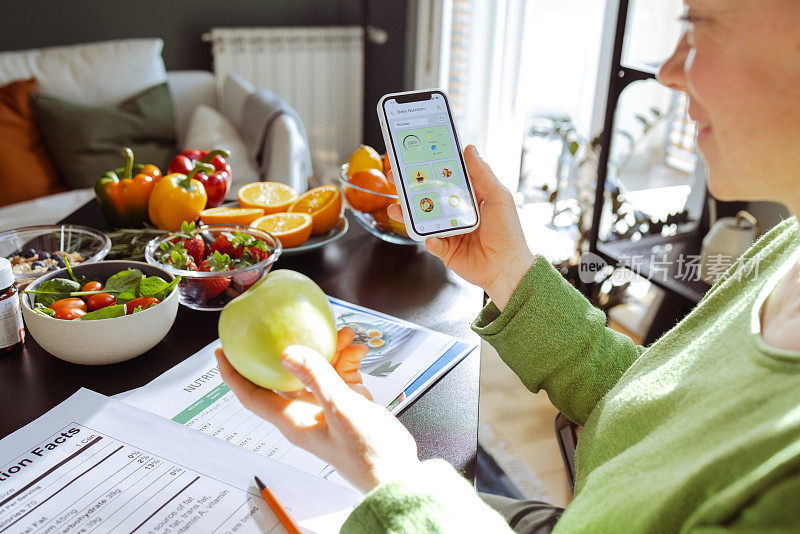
x,y
495,256
363,441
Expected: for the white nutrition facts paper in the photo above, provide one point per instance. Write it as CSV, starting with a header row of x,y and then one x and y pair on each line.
x,y
95,465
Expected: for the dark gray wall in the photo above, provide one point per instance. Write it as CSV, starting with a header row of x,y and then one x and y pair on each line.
x,y
180,23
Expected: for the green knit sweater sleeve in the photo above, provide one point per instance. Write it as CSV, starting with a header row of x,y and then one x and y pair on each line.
x,y
433,498
555,340
775,510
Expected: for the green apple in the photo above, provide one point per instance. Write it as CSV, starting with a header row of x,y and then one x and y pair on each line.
x,y
285,308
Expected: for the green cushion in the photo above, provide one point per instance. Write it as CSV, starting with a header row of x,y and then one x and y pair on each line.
x,y
85,141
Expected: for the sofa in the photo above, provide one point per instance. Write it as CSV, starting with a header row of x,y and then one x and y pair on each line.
x,y
206,115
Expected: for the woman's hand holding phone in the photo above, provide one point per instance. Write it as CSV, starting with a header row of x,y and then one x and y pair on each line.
x,y
495,256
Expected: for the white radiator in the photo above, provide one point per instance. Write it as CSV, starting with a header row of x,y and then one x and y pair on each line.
x,y
318,70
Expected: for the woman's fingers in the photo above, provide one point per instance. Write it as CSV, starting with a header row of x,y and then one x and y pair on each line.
x,y
436,246
486,184
344,337
264,402
316,373
395,212
350,358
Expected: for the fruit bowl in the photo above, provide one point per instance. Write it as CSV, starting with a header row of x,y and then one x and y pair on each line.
x,y
92,245
194,285
376,223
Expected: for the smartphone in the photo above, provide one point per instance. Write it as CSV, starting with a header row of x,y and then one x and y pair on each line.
x,y
433,185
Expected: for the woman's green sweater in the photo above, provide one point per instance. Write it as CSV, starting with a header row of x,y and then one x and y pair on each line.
x,y
700,432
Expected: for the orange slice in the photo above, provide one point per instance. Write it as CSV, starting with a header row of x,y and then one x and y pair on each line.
x,y
272,197
291,229
324,204
243,216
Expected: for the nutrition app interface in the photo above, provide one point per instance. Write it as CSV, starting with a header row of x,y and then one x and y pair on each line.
x,y
427,154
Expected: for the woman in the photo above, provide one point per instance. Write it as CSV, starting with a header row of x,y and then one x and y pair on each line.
x,y
699,432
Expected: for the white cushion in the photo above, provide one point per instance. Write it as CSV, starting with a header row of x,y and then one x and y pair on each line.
x,y
189,89
100,74
208,130
235,90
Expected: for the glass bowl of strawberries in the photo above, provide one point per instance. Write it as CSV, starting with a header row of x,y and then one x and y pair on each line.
x,y
216,262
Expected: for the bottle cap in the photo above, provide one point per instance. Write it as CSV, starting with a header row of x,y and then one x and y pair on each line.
x,y
6,274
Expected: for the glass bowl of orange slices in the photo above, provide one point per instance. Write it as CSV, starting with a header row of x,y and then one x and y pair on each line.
x,y
301,222
368,195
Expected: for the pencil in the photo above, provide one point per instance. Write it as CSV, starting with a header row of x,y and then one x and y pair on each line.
x,y
288,523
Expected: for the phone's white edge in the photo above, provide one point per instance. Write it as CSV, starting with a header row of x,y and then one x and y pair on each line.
x,y
387,141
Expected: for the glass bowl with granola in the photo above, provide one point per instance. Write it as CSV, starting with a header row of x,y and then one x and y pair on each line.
x,y
36,250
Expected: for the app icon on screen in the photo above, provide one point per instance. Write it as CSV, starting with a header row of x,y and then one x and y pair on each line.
x,y
426,206
447,173
419,177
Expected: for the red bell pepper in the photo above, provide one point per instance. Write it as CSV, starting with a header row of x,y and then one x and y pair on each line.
x,y
217,183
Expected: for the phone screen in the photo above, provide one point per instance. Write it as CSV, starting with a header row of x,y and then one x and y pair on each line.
x,y
431,165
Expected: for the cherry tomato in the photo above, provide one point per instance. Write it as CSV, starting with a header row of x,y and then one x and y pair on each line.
x,y
92,286
100,300
141,302
72,302
69,313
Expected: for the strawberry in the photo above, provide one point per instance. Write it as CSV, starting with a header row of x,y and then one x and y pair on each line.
x,y
209,288
254,254
249,249
223,244
174,254
192,241
195,247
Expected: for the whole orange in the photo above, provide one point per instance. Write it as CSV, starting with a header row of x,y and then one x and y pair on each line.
x,y
386,165
369,180
364,157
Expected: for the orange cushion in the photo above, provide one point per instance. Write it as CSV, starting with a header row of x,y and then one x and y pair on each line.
x,y
26,171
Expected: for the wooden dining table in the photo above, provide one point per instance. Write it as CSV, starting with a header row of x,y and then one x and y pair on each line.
x,y
400,280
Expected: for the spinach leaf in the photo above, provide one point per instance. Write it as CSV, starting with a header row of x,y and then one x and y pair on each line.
x,y
109,312
52,290
128,295
123,281
153,286
44,310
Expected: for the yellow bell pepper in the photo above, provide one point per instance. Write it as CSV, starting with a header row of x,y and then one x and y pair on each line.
x,y
177,198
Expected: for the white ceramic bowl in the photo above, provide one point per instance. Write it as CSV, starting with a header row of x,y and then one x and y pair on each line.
x,y
102,341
